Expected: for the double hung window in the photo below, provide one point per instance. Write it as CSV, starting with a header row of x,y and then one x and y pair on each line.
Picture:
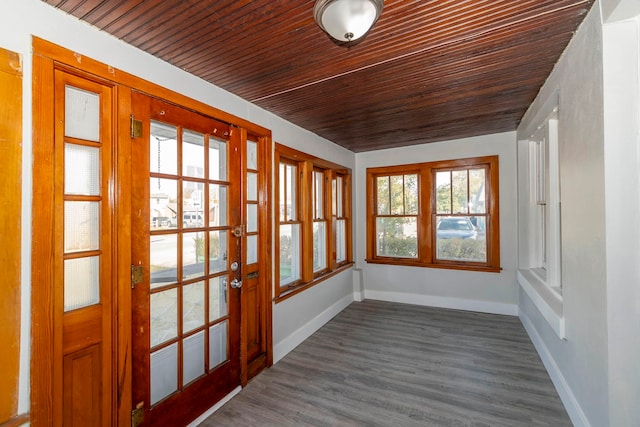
x,y
437,214
314,225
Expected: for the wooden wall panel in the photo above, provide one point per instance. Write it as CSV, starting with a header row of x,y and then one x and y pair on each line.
x,y
10,219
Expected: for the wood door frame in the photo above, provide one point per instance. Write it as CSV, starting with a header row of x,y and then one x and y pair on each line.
x,y
47,57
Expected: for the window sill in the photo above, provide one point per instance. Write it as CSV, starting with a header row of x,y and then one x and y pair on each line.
x,y
547,300
449,266
293,290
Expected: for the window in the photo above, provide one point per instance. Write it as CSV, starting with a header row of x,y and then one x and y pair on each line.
x,y
314,225
544,191
439,214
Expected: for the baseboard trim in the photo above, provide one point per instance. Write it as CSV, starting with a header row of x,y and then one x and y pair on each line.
x,y
444,302
215,407
577,415
282,348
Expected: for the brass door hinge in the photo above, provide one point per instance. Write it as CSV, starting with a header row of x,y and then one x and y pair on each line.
x,y
137,415
137,274
136,128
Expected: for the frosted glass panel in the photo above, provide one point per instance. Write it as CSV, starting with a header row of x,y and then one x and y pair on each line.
x,y
81,114
192,306
81,226
217,205
81,170
163,148
193,357
193,255
252,187
252,218
164,373
192,154
252,249
164,316
217,251
81,282
162,196
217,298
164,259
217,159
252,155
217,344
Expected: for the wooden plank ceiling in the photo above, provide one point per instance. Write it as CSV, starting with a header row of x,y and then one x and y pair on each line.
x,y
428,70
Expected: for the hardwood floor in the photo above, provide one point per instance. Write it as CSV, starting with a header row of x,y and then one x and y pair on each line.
x,y
388,364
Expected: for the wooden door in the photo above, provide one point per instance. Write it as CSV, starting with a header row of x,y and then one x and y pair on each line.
x,y
187,237
82,266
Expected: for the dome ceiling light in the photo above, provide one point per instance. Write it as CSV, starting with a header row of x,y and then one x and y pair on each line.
x,y
347,20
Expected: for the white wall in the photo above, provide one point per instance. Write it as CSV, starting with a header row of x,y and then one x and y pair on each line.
x,y
598,79
478,291
622,210
20,19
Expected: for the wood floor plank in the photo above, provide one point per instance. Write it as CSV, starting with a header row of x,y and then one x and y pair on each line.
x,y
388,364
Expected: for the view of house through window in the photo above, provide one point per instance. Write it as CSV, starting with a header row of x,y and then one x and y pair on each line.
x,y
435,214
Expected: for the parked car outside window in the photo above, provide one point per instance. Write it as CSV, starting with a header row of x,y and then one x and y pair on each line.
x,y
456,228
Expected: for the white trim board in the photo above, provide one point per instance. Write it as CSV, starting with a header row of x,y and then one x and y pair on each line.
x,y
283,347
444,302
577,415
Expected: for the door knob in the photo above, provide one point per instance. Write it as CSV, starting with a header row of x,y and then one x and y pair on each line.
x,y
236,284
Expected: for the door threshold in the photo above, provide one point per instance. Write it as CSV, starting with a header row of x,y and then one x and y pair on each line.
x,y
215,407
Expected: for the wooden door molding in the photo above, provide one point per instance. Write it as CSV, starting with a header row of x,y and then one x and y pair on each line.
x,y
10,228
47,57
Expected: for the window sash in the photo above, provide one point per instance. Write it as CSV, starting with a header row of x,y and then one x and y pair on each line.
x,y
471,197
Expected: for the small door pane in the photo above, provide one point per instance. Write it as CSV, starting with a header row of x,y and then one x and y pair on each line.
x,y
252,155
193,255
217,298
164,259
217,205
192,154
193,357
163,148
192,204
164,316
252,249
217,159
81,226
217,251
252,218
81,170
82,114
192,306
81,282
252,187
164,373
162,199
217,344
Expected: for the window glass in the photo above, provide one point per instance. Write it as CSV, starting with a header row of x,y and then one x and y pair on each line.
x,y
450,225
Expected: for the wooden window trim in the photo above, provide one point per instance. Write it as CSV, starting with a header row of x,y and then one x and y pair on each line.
x,y
306,165
426,214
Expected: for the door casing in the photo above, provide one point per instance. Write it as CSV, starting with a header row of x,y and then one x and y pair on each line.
x,y
48,57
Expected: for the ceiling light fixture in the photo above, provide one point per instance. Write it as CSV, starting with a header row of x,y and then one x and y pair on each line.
x,y
347,20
